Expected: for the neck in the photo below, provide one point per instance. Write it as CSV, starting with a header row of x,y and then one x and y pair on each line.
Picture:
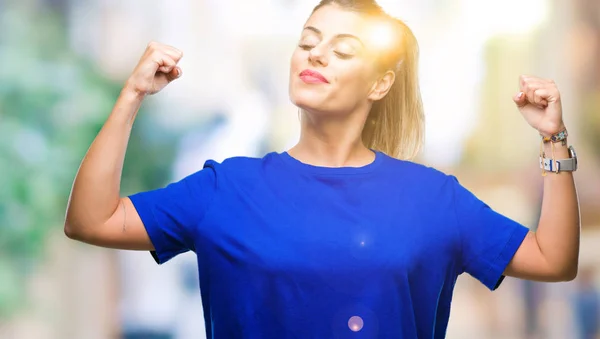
x,y
332,142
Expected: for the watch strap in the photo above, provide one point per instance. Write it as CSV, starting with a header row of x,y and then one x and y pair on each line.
x,y
560,165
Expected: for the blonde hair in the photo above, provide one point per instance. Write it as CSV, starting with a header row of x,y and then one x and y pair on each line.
x,y
396,123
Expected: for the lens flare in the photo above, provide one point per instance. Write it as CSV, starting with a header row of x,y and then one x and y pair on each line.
x,y
381,35
355,323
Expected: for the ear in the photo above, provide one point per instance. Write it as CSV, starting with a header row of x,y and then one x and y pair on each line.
x,y
382,86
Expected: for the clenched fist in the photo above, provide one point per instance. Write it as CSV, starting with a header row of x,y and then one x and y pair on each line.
x,y
156,69
539,102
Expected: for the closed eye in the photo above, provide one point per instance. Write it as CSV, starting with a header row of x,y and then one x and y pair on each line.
x,y
343,55
306,47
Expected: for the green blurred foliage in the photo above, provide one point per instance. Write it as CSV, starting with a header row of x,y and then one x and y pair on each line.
x,y
52,104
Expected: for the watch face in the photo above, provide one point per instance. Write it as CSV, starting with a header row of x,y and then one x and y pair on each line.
x,y
572,153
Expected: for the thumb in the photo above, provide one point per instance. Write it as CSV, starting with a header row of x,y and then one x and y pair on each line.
x,y
174,74
520,99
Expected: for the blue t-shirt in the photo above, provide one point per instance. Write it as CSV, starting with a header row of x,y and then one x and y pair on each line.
x,y
290,250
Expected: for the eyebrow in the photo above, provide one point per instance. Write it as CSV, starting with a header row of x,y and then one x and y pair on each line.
x,y
338,36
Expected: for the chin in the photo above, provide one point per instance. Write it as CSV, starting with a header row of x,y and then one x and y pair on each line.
x,y
308,104
308,99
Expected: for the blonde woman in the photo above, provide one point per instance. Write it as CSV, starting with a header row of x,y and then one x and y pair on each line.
x,y
341,236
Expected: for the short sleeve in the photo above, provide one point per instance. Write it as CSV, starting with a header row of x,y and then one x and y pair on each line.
x,y
489,239
170,214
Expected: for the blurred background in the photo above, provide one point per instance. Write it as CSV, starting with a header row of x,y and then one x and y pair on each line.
x,y
62,65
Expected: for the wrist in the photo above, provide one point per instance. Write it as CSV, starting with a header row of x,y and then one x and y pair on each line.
x,y
130,92
560,149
127,106
560,136
556,157
549,132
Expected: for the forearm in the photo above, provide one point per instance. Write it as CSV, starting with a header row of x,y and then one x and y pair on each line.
x,y
96,189
559,226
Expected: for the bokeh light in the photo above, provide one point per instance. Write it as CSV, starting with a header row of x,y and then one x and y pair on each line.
x,y
355,323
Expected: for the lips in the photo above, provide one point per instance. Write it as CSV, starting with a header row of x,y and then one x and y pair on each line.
x,y
310,76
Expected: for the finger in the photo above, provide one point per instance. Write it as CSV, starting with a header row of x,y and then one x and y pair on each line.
x,y
523,79
540,97
165,62
529,89
520,99
529,85
174,74
529,94
154,47
174,53
169,48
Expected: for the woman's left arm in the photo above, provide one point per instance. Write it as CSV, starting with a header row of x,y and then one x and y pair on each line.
x,y
552,252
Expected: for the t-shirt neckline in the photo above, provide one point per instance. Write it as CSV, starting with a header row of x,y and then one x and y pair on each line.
x,y
346,170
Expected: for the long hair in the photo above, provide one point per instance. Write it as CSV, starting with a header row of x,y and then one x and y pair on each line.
x,y
396,124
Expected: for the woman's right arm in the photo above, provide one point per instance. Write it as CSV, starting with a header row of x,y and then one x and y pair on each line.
x,y
96,213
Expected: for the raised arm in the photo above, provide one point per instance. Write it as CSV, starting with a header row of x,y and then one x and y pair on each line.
x,y
551,253
96,214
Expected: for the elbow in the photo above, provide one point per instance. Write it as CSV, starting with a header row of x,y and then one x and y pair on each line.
x,y
72,231
70,226
567,274
570,274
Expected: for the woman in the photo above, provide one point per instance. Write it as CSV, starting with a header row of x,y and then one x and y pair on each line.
x,y
340,236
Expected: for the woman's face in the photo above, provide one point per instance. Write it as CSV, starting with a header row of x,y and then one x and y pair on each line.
x,y
331,70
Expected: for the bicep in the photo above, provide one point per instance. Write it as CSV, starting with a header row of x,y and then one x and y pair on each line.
x,y
529,262
123,230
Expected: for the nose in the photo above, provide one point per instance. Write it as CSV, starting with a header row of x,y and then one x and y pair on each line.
x,y
317,56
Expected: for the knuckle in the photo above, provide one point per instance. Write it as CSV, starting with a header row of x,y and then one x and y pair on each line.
x,y
175,54
168,60
156,55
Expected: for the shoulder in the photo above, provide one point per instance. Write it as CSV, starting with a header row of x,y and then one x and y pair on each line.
x,y
240,166
423,181
420,174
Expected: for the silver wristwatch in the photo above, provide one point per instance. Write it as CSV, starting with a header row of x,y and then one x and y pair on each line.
x,y
560,165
